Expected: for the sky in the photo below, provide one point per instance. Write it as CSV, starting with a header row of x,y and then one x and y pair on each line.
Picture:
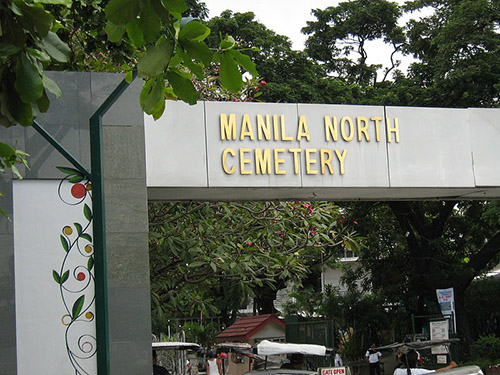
x,y
288,17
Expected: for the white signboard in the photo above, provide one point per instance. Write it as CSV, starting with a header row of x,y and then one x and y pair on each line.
x,y
439,331
55,322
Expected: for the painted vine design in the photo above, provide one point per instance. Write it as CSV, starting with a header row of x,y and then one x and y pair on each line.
x,y
75,275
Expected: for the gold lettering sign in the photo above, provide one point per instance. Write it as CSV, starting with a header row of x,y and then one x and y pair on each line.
x,y
280,160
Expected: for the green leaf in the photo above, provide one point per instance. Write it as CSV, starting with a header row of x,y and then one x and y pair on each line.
x,y
90,263
230,75
121,12
43,102
77,307
198,51
244,61
176,6
56,277
134,32
129,77
158,111
87,212
7,49
64,243
29,83
151,95
56,49
195,68
114,32
227,43
20,111
55,2
64,277
183,87
195,31
39,20
50,85
156,59
38,54
149,23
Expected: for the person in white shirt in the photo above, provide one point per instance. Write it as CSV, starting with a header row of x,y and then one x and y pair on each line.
x,y
409,363
338,360
373,356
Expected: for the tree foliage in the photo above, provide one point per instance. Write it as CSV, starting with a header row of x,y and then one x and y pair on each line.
x,y
339,31
211,256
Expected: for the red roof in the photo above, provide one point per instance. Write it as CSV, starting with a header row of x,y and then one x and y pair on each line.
x,y
247,326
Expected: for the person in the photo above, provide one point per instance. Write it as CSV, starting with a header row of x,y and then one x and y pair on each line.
x,y
296,362
157,369
188,367
213,365
373,356
338,362
409,365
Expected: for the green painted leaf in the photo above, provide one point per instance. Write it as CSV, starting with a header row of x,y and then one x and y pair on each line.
x,y
194,30
244,61
77,307
230,75
121,12
156,59
183,87
90,263
64,243
114,32
152,95
56,277
87,212
51,86
69,171
87,237
56,49
75,179
78,228
64,277
29,83
178,6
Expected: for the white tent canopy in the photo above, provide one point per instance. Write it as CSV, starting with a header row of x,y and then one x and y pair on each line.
x,y
266,347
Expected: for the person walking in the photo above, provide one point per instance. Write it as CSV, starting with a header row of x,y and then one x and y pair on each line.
x,y
213,365
373,356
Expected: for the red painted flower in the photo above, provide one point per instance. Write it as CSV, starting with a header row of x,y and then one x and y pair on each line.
x,y
78,190
80,276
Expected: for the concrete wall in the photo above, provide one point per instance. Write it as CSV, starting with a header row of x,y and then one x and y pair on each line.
x,y
126,210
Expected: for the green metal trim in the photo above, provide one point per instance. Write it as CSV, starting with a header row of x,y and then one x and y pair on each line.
x,y
67,155
99,228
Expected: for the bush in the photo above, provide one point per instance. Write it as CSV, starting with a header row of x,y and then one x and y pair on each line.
x,y
487,348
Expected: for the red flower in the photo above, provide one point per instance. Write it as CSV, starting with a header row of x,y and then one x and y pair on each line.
x,y
355,222
263,83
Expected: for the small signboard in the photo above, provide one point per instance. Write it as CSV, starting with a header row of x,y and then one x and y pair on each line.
x,y
332,371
